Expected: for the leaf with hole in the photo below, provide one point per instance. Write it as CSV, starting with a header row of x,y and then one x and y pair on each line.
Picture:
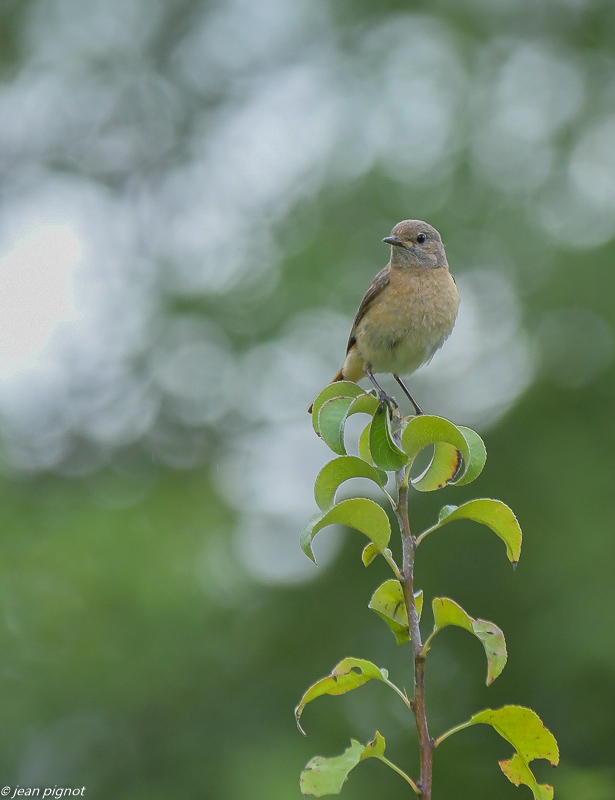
x,y
518,772
323,776
349,674
447,612
524,730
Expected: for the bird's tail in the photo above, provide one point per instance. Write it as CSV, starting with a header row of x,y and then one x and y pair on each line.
x,y
338,377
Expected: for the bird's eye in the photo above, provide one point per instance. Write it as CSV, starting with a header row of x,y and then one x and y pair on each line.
x,y
421,238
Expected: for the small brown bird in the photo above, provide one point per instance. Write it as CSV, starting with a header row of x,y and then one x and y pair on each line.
x,y
408,311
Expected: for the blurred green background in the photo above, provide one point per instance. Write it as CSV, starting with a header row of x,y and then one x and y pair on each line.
x,y
192,200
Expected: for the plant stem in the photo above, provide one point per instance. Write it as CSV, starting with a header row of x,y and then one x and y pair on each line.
x,y
426,743
396,769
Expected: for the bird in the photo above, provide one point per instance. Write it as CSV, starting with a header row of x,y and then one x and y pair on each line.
x,y
407,313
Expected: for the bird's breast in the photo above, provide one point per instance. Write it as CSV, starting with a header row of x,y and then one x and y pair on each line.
x,y
409,320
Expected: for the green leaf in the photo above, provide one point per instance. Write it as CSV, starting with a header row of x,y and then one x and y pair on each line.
x,y
388,602
459,453
339,470
349,674
334,413
385,453
475,460
369,554
331,421
446,511
337,389
375,748
364,404
518,772
495,647
524,730
360,513
447,612
493,513
445,462
323,776
364,451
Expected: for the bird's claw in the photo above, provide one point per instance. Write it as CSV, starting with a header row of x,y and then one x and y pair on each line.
x,y
390,403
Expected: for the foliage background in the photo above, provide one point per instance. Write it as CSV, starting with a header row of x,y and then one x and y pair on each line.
x,y
192,200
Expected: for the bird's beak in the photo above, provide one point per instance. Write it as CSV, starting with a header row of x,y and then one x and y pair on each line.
x,y
394,240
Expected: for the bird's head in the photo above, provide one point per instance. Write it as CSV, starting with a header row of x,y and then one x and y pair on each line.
x,y
416,243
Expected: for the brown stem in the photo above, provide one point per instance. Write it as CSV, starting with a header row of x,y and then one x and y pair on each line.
x,y
426,743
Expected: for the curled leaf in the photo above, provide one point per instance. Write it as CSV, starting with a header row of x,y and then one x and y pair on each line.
x,y
349,674
474,460
443,467
334,413
360,513
447,612
337,389
339,470
331,421
364,451
492,513
384,451
369,554
388,602
459,453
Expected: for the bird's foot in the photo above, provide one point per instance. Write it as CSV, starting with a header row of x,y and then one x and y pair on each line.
x,y
384,398
391,405
418,410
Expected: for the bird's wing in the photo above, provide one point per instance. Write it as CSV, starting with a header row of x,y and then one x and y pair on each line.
x,y
381,280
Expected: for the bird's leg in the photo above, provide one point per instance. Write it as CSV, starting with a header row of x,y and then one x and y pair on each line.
x,y
382,395
417,408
